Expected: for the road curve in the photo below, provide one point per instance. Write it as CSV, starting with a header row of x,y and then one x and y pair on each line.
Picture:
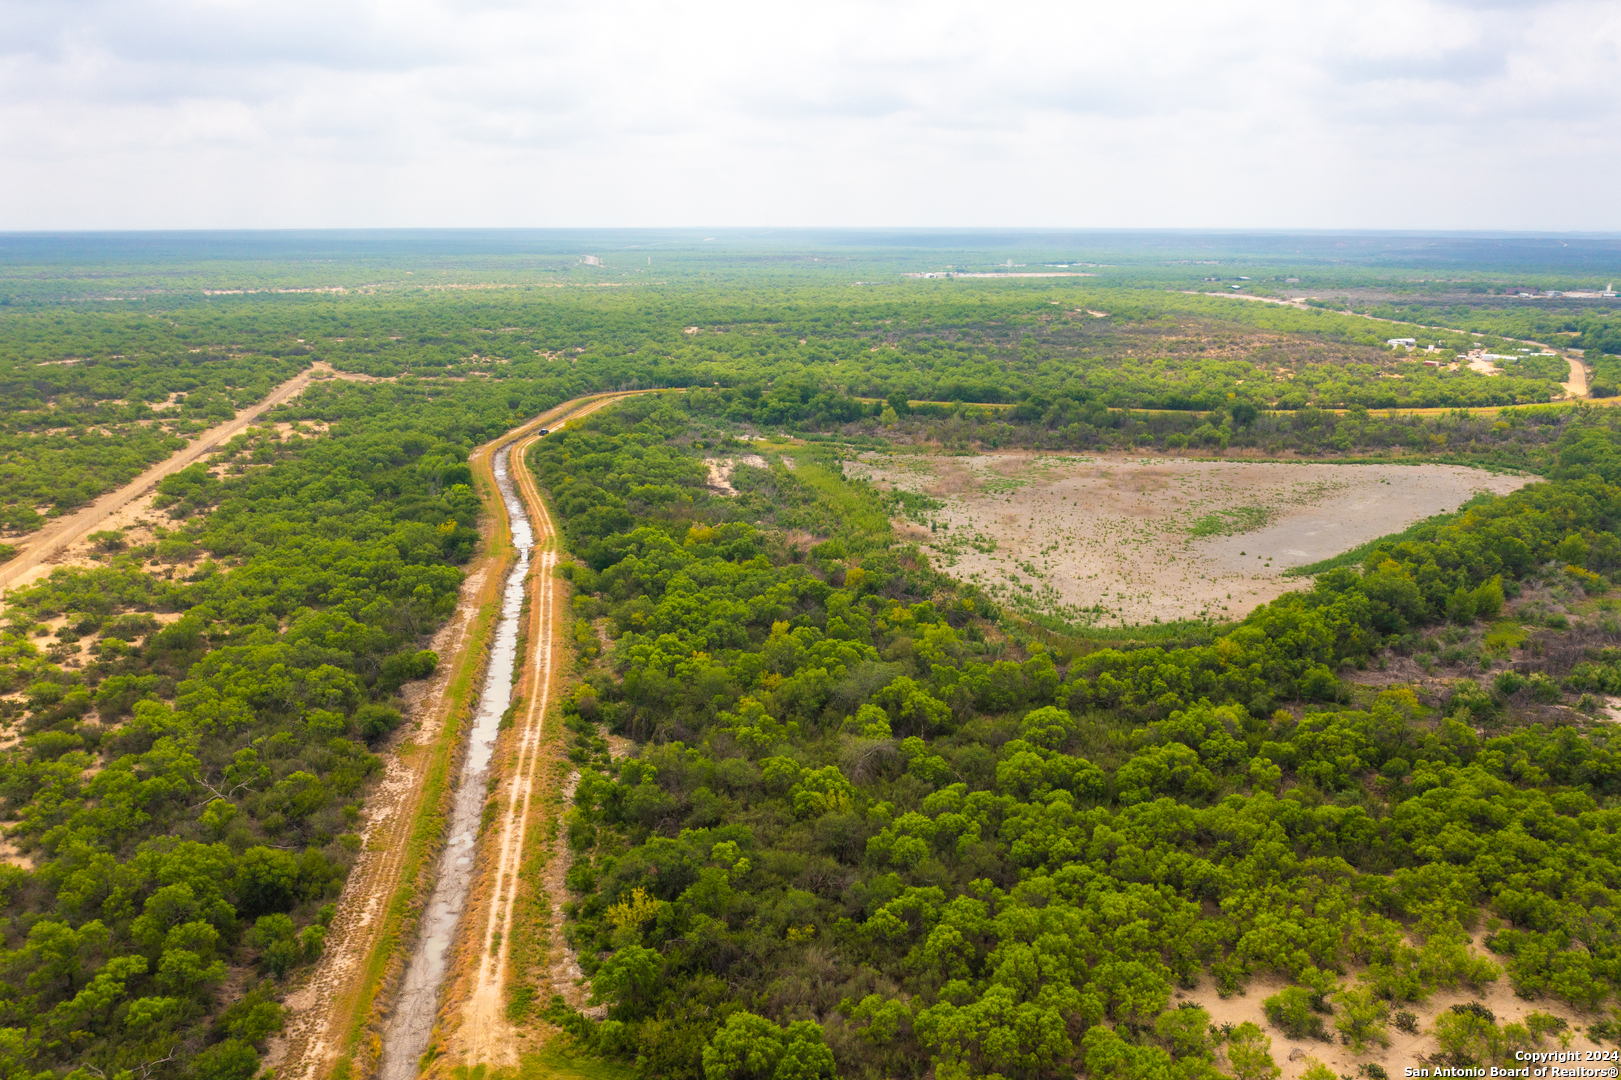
x,y
1575,386
335,997
485,1035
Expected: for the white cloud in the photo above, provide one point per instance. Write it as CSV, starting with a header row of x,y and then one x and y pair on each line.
x,y
1377,114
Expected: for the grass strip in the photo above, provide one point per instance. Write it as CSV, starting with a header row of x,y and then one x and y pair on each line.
x,y
429,821
426,829
1240,519
554,1062
855,505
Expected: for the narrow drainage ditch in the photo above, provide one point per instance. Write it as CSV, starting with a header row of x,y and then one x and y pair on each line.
x,y
418,1003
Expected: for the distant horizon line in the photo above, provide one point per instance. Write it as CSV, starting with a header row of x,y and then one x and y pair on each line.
x,y
1036,230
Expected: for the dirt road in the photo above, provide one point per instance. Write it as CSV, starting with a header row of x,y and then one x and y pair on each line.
x,y
1576,387
484,1035
340,998
338,995
39,547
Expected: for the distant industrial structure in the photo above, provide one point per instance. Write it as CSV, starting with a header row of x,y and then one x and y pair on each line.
x,y
1607,294
1570,294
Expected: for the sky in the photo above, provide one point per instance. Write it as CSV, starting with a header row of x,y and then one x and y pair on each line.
x,y
1416,114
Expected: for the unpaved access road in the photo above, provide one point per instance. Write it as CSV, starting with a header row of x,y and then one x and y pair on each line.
x,y
334,1001
1575,386
65,530
480,1031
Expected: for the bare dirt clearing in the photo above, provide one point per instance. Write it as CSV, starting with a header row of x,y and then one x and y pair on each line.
x,y
720,471
1405,1049
1113,540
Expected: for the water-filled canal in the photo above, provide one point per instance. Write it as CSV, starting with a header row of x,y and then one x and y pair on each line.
x,y
412,1023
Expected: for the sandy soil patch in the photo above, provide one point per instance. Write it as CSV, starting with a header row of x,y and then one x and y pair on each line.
x,y
619,747
720,471
1404,1050
1113,540
1609,711
136,520
13,856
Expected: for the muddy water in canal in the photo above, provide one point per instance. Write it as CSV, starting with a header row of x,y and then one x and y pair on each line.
x,y
418,1003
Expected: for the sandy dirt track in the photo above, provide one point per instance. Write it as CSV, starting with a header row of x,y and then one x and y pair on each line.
x,y
65,530
1111,540
1576,385
479,1030
317,1010
322,1008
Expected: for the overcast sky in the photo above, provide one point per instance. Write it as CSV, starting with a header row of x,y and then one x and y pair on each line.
x,y
315,113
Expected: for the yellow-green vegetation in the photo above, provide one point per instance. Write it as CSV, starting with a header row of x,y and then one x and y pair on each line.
x,y
875,831
1240,519
555,1062
1504,636
426,829
839,500
873,825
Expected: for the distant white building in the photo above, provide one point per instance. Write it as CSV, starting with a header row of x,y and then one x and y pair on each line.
x,y
1401,341
592,260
